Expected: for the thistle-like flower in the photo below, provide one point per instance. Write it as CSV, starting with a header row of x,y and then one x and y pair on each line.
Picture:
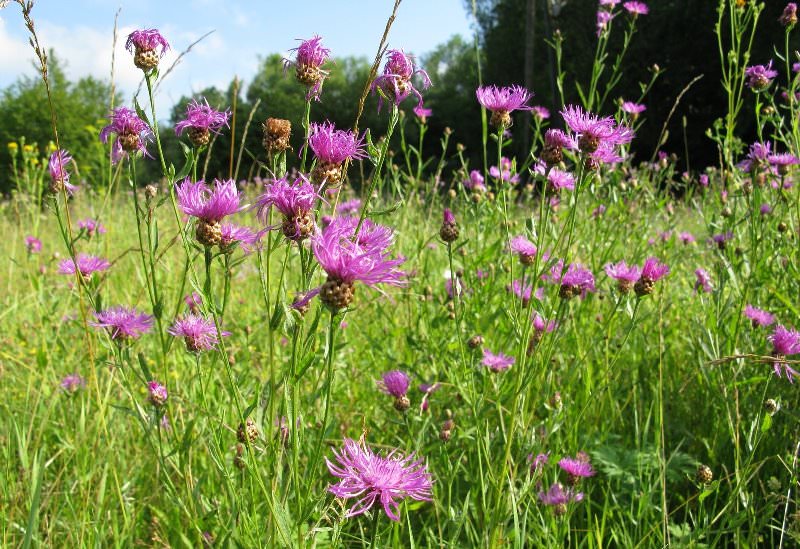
x,y
132,133
201,121
759,317
199,334
759,77
525,249
148,47
123,323
33,244
295,202
208,206
703,281
496,362
555,141
636,8
633,109
236,235
449,230
592,130
395,82
576,468
396,384
86,265
331,148
625,275
652,272
157,394
347,259
577,280
72,383
789,16
558,180
91,226
277,133
785,342
59,176
371,478
502,102
558,497
310,57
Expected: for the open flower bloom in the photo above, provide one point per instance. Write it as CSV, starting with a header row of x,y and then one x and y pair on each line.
x,y
759,317
558,497
525,249
372,479
309,57
232,235
576,280
132,133
148,47
395,82
201,121
785,342
503,101
86,265
199,334
295,201
59,176
636,8
703,281
759,77
496,362
331,148
209,206
592,131
346,260
123,323
625,275
652,272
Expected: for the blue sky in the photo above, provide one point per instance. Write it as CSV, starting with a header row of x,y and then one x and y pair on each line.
x,y
81,33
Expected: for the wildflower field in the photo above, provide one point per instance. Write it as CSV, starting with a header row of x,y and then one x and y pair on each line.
x,y
354,344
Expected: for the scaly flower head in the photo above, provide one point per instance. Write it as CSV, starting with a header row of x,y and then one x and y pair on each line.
x,y
524,248
123,323
558,497
310,57
199,334
593,130
503,101
202,120
789,15
157,394
395,82
577,280
625,275
295,201
475,181
759,77
371,478
576,468
148,46
759,317
331,148
132,133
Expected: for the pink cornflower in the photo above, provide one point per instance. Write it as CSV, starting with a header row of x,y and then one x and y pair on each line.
x,y
524,248
199,334
558,180
475,182
349,207
371,478
636,8
132,133
540,327
758,156
576,468
593,131
59,176
608,4
703,281
652,272
72,383
331,148
503,173
759,317
540,113
208,206
245,237
625,275
765,209
784,342
422,113
33,244
346,261
193,301
789,15
503,101
395,82
575,281
396,383
157,394
759,77
634,109
123,323
554,143
86,265
782,161
148,46
537,463
603,19
91,226
521,291
722,239
201,121
686,238
310,57
295,202
703,180
558,497
496,362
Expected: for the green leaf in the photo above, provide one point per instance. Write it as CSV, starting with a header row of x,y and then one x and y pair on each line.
x,y
766,423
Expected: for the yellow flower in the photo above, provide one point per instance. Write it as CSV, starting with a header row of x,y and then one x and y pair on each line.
x,y
51,147
13,147
27,148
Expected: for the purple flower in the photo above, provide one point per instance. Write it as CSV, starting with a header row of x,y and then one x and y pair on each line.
x,y
503,173
540,113
703,281
592,130
636,8
603,19
496,362
558,498
59,176
132,133
598,211
157,394
395,82
576,468
503,101
759,77
91,226
784,342
654,270
369,478
540,325
765,209
394,383
789,15
201,120
703,180
524,248
537,463
148,46
349,207
86,265
199,334
759,317
72,383
722,239
625,275
123,323
193,302
521,291
608,4
295,202
310,57
686,238
245,237
782,161
576,280
475,181
334,146
631,108
33,244
559,180
346,260
422,113
209,206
